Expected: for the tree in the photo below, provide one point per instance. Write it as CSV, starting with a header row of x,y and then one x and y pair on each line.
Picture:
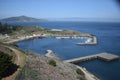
x,y
5,63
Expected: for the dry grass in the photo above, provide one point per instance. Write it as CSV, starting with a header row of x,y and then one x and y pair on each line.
x,y
37,68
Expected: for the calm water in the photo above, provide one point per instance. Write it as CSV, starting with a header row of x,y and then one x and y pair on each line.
x,y
108,35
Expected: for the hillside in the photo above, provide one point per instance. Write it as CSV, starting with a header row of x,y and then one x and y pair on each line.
x,y
39,67
11,61
21,19
29,30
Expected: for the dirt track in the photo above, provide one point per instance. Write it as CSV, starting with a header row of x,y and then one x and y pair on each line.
x,y
19,60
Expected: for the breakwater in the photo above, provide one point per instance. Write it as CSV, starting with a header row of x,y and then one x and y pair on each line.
x,y
88,75
103,56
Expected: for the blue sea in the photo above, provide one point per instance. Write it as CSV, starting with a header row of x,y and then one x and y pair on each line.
x,y
108,35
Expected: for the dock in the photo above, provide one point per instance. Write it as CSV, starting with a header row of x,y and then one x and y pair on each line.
x,y
93,42
103,56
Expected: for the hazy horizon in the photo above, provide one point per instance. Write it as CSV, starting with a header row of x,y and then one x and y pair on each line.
x,y
73,19
52,9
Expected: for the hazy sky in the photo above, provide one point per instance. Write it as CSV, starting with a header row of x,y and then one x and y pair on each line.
x,y
60,8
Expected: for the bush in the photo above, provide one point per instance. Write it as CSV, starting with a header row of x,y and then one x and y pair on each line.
x,y
52,62
82,75
5,63
79,72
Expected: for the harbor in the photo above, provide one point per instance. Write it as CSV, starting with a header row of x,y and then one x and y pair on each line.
x,y
107,41
88,75
103,56
87,40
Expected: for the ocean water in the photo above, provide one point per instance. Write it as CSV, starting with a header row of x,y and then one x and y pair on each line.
x,y
108,35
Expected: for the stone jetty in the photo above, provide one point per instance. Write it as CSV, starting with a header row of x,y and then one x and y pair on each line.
x,y
104,56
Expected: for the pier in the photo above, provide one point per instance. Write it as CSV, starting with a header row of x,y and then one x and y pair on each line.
x,y
104,56
93,42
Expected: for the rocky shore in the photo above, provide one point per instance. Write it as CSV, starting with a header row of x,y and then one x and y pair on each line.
x,y
87,74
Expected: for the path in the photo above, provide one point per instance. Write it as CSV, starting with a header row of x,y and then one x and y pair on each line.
x,y
20,60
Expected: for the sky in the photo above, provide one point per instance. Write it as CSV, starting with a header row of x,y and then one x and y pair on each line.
x,y
105,9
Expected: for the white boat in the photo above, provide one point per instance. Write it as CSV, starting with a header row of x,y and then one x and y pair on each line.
x,y
58,37
65,37
62,37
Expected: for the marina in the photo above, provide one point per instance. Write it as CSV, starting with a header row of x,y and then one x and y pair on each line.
x,y
107,35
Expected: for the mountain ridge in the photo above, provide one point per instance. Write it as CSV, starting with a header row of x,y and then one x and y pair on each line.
x,y
21,19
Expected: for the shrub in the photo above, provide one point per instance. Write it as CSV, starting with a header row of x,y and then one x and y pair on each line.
x,y
79,72
5,63
82,75
52,62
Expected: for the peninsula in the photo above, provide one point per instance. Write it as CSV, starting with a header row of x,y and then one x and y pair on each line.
x,y
14,33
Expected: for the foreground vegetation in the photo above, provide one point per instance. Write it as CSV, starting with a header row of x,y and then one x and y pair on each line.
x,y
11,61
18,30
39,67
5,63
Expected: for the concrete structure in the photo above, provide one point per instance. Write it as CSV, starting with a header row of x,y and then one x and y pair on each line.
x,y
103,56
108,57
90,41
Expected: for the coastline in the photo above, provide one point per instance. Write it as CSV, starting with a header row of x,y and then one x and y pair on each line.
x,y
21,39
88,75
93,42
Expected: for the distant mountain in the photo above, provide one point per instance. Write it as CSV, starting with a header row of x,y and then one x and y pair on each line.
x,y
21,19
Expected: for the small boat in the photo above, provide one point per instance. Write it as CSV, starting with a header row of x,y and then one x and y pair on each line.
x,y
62,37
58,37
65,37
